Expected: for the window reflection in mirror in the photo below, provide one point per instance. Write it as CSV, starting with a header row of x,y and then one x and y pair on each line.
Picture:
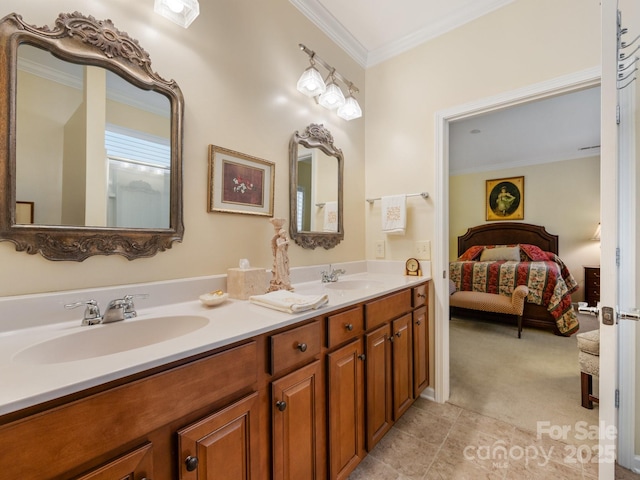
x,y
91,148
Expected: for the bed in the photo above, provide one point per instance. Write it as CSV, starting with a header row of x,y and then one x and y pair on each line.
x,y
518,254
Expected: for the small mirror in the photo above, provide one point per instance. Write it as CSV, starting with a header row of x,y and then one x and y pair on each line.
x,y
93,144
316,196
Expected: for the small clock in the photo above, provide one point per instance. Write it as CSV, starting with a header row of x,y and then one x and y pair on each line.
x,y
412,268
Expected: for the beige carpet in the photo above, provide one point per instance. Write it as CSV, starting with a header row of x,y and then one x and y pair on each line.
x,y
520,381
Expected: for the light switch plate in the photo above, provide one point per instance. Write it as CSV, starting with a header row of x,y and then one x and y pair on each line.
x,y
379,249
423,250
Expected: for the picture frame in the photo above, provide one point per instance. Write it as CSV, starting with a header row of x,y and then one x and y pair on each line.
x,y
240,183
505,198
24,213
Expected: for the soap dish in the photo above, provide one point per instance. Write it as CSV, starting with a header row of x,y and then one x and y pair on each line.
x,y
212,299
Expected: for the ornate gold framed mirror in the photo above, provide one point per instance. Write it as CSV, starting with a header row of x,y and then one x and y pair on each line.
x,y
91,137
316,196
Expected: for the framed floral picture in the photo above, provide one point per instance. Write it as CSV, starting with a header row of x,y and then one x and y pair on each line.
x,y
239,183
505,199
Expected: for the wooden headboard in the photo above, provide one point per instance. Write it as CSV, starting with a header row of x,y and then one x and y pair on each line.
x,y
508,233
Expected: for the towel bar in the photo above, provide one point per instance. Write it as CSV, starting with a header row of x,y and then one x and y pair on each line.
x,y
424,195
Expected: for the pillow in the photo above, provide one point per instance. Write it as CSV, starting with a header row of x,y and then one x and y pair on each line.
x,y
501,253
534,253
471,253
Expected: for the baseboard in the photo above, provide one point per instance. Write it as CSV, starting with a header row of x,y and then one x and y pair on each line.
x,y
429,393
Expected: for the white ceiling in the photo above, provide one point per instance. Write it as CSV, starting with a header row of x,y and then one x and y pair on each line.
x,y
371,31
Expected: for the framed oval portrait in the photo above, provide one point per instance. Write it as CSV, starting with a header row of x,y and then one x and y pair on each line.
x,y
505,199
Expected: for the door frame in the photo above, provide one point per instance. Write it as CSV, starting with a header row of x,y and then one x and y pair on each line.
x,y
440,273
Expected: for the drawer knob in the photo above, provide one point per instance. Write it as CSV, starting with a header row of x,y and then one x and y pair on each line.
x,y
281,405
362,356
422,295
302,347
191,463
349,326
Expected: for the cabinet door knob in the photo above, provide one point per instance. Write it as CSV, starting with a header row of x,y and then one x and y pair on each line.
x,y
422,295
418,322
349,326
281,405
191,463
398,334
362,356
391,338
302,347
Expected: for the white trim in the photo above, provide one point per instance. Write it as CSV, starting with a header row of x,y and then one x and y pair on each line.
x,y
584,79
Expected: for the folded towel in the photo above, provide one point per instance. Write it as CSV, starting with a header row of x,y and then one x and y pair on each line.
x,y
289,302
330,217
394,214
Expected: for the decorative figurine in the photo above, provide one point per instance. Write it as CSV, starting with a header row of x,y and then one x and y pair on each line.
x,y
279,246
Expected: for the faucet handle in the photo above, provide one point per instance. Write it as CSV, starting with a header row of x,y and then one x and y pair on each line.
x,y
91,312
129,307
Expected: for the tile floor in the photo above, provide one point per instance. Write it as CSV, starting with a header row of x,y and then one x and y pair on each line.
x,y
444,442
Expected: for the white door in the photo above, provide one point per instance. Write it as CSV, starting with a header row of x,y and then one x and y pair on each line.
x,y
618,239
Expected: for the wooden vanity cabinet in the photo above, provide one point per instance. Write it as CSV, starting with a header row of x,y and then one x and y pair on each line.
x,y
303,402
297,404
134,465
345,392
420,350
222,446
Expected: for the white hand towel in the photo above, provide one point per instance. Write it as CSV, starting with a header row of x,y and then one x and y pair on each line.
x,y
330,217
289,302
394,214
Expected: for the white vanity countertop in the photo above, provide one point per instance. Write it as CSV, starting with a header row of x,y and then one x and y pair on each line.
x,y
24,384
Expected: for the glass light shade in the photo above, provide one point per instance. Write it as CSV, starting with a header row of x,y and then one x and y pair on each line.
x,y
596,234
311,82
350,110
332,98
182,12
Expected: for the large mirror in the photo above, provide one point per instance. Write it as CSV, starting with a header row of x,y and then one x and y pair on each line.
x,y
316,196
91,152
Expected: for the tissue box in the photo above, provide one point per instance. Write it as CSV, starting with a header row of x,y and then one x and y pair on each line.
x,y
244,282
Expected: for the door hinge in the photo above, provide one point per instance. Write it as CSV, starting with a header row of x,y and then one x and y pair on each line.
x,y
617,256
617,398
444,274
618,114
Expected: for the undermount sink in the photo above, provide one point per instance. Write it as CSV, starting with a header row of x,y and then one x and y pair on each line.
x,y
353,285
100,340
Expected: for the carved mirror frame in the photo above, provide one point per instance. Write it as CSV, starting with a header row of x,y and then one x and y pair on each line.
x,y
85,40
314,136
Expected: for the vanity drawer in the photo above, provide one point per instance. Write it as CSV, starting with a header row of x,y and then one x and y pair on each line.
x,y
344,326
387,308
295,347
419,295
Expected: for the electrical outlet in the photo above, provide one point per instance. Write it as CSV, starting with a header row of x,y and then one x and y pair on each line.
x,y
423,250
379,249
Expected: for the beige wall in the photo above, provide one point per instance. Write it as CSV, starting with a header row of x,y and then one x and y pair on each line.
x,y
563,196
237,66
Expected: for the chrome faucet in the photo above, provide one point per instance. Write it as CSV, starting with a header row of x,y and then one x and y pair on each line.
x,y
332,275
117,310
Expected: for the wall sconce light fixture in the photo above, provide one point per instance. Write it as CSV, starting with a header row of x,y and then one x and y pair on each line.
x,y
328,93
182,12
596,234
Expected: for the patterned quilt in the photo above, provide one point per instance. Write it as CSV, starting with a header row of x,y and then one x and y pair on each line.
x,y
549,281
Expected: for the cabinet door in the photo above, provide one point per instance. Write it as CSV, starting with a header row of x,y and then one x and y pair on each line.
x,y
345,369
222,446
298,419
378,384
402,364
420,351
135,465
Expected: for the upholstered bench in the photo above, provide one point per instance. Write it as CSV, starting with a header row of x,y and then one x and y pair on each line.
x,y
489,302
589,359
